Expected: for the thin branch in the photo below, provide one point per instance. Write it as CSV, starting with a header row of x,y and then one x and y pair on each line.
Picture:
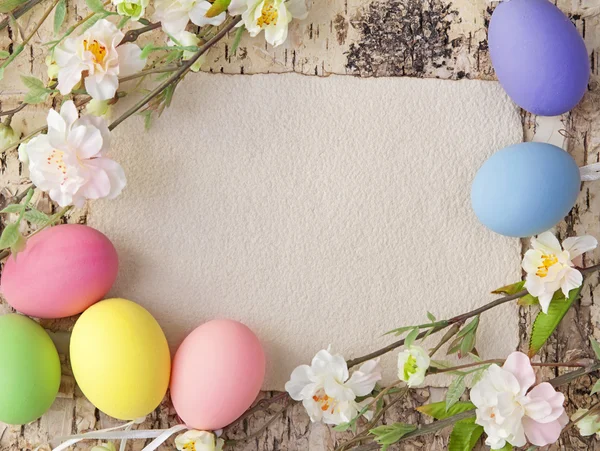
x,y
175,77
14,110
258,431
18,12
432,370
132,35
159,70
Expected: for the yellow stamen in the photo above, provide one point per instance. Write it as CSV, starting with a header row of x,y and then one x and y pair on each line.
x,y
97,49
547,262
190,446
269,14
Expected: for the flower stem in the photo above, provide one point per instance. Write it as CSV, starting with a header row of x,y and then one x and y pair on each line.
x,y
501,361
132,35
158,70
177,75
19,12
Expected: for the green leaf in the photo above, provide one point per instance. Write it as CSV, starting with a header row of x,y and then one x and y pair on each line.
x,y
146,51
10,236
391,433
469,327
123,22
510,289
528,300
217,8
595,347
37,91
36,217
95,5
411,337
1,73
430,317
7,6
14,208
595,388
438,410
59,15
18,246
4,54
467,345
237,38
342,427
399,330
32,82
464,435
455,391
545,324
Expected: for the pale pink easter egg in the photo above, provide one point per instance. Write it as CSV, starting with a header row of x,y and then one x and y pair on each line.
x,y
62,271
217,374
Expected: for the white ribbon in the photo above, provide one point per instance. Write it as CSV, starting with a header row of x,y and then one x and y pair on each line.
x,y
124,432
590,172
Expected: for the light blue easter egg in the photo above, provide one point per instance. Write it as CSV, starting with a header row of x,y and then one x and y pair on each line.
x,y
525,189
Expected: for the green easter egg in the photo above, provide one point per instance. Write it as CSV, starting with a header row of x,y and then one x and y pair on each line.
x,y
29,370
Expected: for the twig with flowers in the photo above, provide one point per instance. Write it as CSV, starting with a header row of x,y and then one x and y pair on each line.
x,y
68,159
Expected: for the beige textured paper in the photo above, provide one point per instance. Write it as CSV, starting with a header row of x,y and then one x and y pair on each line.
x,y
316,210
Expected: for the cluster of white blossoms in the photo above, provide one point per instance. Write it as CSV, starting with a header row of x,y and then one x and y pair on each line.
x,y
70,162
270,16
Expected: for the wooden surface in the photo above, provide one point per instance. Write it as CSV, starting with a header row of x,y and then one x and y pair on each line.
x,y
429,38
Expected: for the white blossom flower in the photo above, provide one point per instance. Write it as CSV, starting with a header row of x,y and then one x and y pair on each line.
x,y
131,8
174,15
326,390
187,39
273,16
70,162
95,56
413,363
550,267
588,425
193,440
511,413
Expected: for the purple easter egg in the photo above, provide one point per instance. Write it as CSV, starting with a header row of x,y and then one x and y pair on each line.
x,y
538,55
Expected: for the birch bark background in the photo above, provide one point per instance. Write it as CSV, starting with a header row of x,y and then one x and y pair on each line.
x,y
416,38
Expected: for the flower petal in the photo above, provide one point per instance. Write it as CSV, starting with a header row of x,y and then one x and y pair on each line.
x,y
86,142
69,76
555,400
362,382
114,172
299,379
545,300
579,245
547,243
520,366
572,279
541,434
198,15
130,60
103,89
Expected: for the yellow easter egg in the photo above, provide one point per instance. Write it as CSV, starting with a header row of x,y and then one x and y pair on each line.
x,y
120,358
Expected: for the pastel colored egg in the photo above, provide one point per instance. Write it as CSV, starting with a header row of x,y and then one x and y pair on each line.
x,y
217,373
62,271
120,358
525,189
538,55
30,370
